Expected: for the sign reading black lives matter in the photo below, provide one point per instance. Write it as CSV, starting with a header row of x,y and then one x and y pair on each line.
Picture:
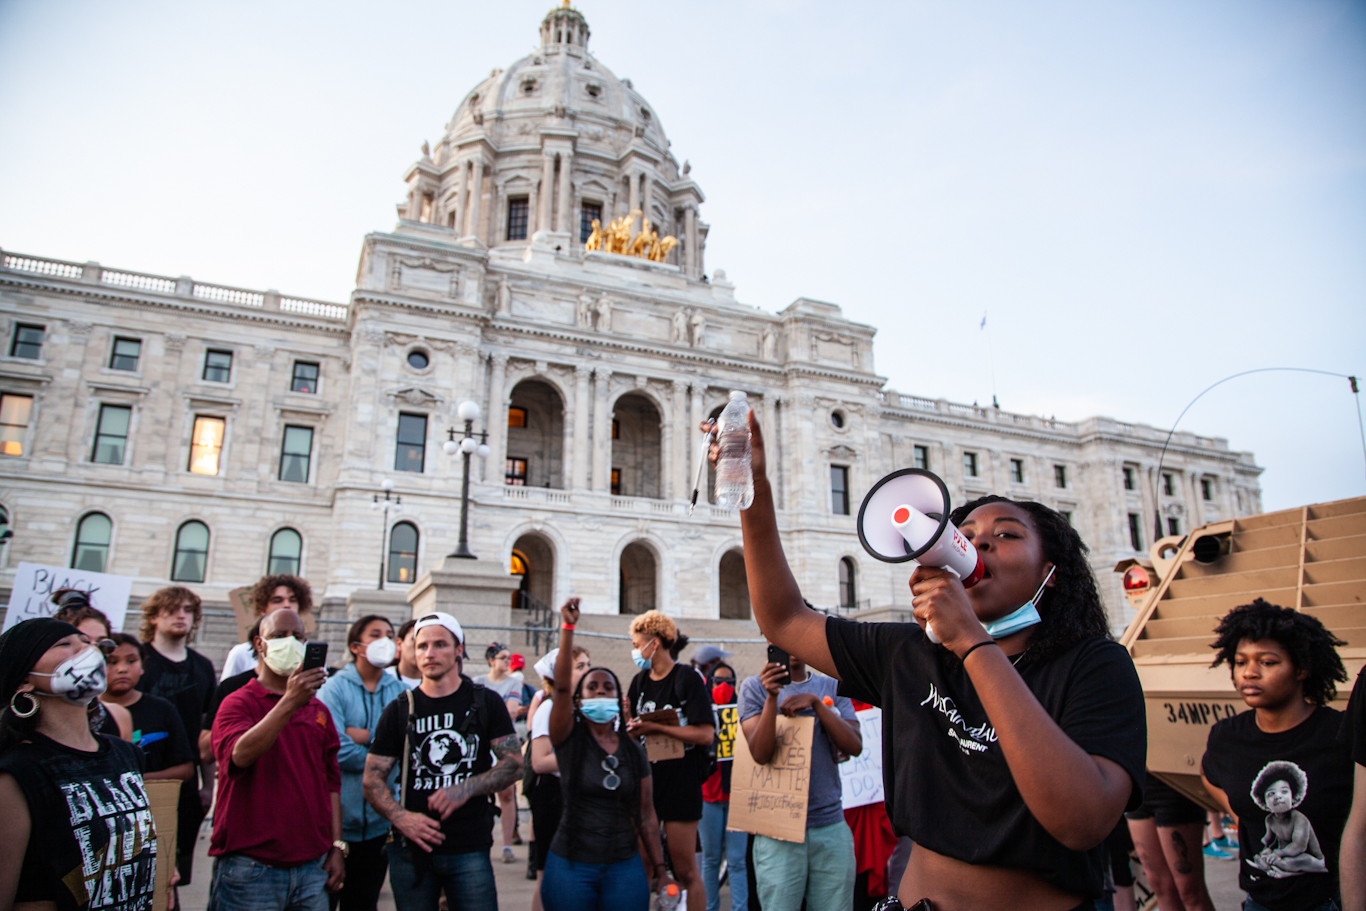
x,y
34,584
771,799
727,724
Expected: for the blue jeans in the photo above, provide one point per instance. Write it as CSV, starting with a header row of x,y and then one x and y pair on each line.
x,y
822,870
1331,905
242,884
716,841
467,880
570,886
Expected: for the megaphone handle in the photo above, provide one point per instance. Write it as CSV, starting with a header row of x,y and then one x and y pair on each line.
x,y
929,630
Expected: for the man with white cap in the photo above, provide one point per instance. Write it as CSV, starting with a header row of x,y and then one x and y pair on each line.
x,y
458,747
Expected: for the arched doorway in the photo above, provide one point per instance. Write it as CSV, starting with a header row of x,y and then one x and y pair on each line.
x,y
635,447
536,558
535,447
639,569
733,586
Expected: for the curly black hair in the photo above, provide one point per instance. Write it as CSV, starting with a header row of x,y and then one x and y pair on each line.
x,y
581,740
1311,646
1070,611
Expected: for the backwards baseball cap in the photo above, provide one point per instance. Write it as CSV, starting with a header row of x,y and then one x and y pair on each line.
x,y
440,619
708,653
517,662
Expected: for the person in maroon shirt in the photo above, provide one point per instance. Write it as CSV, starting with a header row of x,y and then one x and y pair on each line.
x,y
277,826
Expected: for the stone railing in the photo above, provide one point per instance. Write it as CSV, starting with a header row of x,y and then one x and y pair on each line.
x,y
93,273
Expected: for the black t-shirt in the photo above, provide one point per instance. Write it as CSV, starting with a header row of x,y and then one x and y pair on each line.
x,y
947,783
188,685
1292,791
1353,732
225,689
678,782
447,746
159,733
598,825
77,803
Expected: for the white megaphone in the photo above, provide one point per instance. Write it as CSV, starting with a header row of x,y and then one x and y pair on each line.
x,y
905,517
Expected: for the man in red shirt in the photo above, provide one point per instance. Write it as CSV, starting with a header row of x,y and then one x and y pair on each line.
x,y
277,826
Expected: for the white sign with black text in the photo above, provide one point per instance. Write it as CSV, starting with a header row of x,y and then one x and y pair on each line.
x,y
861,775
34,584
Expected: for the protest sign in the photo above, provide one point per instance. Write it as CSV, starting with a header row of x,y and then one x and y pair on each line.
x,y
164,796
861,776
771,799
660,747
727,723
242,611
34,584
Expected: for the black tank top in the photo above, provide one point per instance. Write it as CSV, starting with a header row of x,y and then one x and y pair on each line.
x,y
78,803
598,825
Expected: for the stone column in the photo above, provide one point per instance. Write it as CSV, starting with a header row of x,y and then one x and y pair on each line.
x,y
683,447
547,192
582,432
496,418
602,430
633,198
476,198
461,185
566,185
649,195
773,448
690,240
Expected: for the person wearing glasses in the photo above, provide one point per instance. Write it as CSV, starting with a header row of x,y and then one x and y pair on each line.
x,y
609,812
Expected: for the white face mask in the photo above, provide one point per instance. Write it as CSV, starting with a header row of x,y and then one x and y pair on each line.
x,y
380,652
283,656
78,679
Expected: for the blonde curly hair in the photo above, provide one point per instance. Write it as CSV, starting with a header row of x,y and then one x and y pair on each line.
x,y
656,625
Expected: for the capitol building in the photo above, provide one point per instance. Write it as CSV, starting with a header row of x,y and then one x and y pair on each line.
x,y
174,430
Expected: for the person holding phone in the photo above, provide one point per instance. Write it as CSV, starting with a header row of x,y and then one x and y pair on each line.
x,y
1006,760
821,870
277,826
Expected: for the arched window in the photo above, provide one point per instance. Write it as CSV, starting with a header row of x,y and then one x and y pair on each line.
x,y
403,553
848,593
191,552
92,543
286,547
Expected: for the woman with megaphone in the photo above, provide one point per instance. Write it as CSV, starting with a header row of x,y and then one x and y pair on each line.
x,y
1014,739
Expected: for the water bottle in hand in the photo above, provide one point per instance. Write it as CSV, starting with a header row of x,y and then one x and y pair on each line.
x,y
734,479
670,898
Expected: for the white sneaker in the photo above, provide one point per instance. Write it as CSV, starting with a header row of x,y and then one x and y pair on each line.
x,y
508,857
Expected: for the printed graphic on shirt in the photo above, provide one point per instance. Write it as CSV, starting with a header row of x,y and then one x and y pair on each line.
x,y
973,740
112,822
1289,847
443,756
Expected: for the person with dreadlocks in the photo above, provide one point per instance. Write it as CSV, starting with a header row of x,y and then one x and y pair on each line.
x,y
1280,769
609,811
1011,748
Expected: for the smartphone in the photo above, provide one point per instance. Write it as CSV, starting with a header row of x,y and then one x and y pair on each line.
x,y
315,655
778,656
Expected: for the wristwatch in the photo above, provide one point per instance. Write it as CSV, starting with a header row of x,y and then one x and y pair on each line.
x,y
342,847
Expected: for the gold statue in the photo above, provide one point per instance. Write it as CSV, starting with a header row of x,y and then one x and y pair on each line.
x,y
616,238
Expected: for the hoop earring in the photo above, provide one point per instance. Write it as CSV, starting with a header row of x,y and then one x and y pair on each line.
x,y
32,705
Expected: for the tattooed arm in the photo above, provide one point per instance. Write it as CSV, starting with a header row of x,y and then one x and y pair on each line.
x,y
421,830
507,751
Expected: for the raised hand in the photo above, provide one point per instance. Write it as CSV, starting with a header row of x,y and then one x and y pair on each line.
x,y
569,611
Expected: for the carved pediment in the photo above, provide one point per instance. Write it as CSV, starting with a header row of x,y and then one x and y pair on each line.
x,y
416,396
840,451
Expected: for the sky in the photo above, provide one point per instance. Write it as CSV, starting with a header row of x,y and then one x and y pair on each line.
x,y
1142,197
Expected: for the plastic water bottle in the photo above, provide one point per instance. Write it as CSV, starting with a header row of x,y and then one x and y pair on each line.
x,y
734,478
670,898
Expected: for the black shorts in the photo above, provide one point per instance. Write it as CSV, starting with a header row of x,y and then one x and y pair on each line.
x,y
1167,806
677,789
546,808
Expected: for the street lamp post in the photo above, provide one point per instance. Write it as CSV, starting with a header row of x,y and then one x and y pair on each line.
x,y
468,445
390,501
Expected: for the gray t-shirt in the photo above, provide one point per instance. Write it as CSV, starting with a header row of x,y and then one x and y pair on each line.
x,y
511,685
825,797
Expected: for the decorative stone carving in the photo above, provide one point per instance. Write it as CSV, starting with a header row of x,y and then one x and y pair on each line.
x,y
768,344
504,297
583,314
604,310
415,396
423,275
79,328
699,329
680,326
263,351
175,342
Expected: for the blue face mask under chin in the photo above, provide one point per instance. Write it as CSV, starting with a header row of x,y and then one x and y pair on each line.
x,y
1023,617
600,710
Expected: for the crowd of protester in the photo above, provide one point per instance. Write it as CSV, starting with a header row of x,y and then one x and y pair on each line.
x,y
396,764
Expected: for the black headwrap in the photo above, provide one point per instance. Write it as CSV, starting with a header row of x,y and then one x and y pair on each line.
x,y
20,648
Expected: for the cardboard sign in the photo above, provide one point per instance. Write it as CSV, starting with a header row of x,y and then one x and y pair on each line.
x,y
661,747
771,799
861,776
34,584
164,797
727,724
245,614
